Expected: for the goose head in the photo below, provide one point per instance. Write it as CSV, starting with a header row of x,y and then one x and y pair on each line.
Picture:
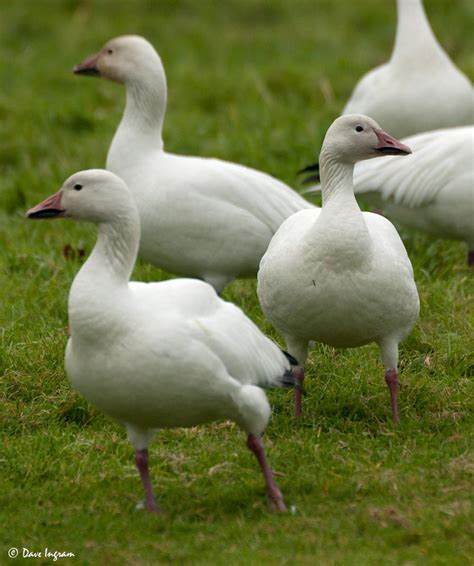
x,y
355,137
124,59
94,195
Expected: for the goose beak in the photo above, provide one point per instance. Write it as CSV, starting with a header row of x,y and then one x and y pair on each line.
x,y
389,145
88,66
49,208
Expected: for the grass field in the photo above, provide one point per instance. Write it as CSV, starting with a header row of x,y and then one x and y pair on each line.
x,y
257,82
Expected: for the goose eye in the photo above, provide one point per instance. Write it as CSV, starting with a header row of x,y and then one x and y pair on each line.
x,y
78,187
359,129
110,51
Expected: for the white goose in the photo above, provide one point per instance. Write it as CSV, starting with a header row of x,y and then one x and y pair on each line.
x,y
200,217
169,354
339,275
420,88
433,191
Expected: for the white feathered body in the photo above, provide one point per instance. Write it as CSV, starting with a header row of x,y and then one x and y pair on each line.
x,y
168,354
411,101
204,217
330,279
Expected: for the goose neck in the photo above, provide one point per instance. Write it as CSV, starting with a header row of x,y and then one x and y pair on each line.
x,y
146,106
414,33
336,181
113,257
140,130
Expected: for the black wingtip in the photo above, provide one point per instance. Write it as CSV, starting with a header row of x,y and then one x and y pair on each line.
x,y
309,168
293,361
311,179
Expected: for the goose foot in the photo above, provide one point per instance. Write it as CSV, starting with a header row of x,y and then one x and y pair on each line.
x,y
298,375
391,379
141,461
275,498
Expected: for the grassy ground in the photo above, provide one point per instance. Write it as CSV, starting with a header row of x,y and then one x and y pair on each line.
x,y
256,82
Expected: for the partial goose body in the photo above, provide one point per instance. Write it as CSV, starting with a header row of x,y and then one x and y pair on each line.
x,y
420,88
346,262
338,275
200,217
169,354
433,191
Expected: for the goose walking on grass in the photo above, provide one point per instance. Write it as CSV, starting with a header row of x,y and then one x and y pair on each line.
x,y
420,88
338,275
433,191
200,217
158,355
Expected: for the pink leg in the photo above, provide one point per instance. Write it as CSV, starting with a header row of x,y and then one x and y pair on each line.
x,y
275,497
141,460
298,375
391,379
470,258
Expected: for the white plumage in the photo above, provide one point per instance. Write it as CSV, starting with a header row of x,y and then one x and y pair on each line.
x,y
420,88
338,275
200,217
169,354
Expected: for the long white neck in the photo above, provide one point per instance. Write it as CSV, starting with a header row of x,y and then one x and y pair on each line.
x,y
415,36
337,182
340,230
140,130
94,299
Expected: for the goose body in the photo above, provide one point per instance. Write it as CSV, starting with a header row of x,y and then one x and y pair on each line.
x,y
157,355
338,275
200,217
420,88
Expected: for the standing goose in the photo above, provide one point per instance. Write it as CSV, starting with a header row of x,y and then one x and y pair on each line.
x,y
420,88
433,191
338,275
158,355
200,217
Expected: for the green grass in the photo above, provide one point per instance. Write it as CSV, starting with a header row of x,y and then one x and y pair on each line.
x,y
256,82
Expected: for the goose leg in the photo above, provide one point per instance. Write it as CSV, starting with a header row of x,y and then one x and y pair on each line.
x,y
470,257
298,375
275,497
141,461
391,379
299,350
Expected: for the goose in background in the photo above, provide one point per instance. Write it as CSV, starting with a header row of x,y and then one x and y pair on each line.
x,y
338,275
158,355
433,191
420,88
200,217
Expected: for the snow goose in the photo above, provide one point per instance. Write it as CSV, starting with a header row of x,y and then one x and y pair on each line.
x,y
338,275
158,355
200,217
420,88
433,191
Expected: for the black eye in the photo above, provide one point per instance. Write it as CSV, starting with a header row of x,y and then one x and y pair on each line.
x,y
359,129
78,187
110,51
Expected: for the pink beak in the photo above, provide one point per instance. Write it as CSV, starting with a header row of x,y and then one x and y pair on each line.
x,y
88,66
389,145
49,208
